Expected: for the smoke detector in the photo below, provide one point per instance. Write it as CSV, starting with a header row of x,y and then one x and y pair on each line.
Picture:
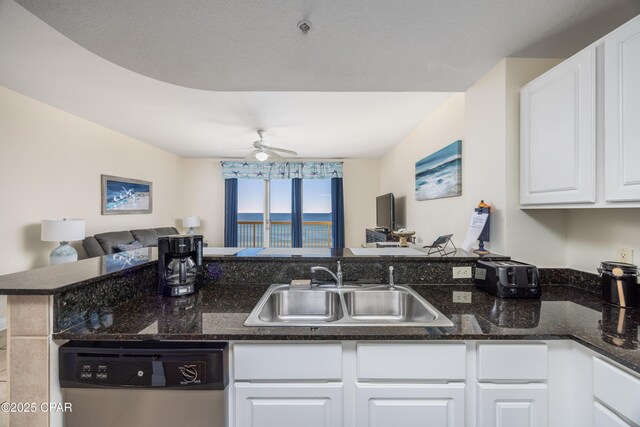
x,y
304,27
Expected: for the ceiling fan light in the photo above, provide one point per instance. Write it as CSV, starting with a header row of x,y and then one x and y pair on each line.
x,y
261,156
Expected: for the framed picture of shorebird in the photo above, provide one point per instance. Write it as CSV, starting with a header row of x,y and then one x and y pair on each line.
x,y
122,196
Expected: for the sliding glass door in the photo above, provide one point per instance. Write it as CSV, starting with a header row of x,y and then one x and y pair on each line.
x,y
279,221
316,213
265,217
251,209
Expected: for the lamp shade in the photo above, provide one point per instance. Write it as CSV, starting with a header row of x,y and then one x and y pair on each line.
x,y
191,221
62,230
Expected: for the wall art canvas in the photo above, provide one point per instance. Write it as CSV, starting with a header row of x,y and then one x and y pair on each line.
x,y
126,196
440,174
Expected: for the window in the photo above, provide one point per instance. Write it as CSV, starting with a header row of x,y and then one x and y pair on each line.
x,y
250,212
316,213
280,213
254,225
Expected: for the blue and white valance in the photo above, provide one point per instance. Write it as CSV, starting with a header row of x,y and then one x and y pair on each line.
x,y
281,170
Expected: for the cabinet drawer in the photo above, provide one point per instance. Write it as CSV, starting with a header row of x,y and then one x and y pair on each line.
x,y
284,362
602,417
411,361
616,389
512,362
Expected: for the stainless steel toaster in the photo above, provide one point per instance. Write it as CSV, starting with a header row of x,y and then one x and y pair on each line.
x,y
508,279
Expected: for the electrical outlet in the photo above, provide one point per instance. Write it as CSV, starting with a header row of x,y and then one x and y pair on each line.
x,y
462,272
463,297
624,255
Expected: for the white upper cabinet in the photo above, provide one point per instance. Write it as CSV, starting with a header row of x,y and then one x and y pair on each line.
x,y
622,113
558,141
580,128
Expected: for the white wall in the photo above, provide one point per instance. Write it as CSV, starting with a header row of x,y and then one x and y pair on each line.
x,y
536,236
361,185
594,234
50,166
485,152
432,218
204,196
486,118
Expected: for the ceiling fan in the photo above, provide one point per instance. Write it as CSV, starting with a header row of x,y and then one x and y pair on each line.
x,y
263,152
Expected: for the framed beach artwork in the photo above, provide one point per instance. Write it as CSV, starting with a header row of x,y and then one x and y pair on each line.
x,y
126,196
440,174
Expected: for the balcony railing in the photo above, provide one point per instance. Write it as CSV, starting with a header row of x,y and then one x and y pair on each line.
x,y
315,234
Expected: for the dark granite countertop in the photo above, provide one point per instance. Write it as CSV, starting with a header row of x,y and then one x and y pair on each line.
x,y
322,254
219,311
59,278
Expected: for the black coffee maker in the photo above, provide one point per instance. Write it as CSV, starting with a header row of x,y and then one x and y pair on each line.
x,y
180,269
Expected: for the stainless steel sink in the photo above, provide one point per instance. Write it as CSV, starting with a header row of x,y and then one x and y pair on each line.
x,y
369,305
387,306
301,306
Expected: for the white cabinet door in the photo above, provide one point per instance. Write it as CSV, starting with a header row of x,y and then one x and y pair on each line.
x,y
410,405
602,417
504,405
622,113
558,134
288,405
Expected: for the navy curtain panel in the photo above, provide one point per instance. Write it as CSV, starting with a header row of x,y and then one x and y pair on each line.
x,y
231,212
296,213
337,213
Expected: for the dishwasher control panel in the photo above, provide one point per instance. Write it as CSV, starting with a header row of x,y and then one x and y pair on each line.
x,y
163,365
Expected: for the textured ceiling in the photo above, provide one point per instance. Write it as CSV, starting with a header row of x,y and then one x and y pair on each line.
x,y
354,45
43,64
198,77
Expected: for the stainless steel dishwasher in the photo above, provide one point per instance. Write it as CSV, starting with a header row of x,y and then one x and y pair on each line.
x,y
142,384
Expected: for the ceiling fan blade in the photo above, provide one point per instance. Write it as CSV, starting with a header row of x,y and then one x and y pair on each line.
x,y
252,155
274,156
282,150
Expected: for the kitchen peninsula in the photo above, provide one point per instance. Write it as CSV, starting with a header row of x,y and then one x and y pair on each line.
x,y
557,341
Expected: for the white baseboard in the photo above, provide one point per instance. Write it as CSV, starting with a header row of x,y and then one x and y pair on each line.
x,y
3,323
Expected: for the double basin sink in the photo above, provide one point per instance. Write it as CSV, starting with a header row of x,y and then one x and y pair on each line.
x,y
367,305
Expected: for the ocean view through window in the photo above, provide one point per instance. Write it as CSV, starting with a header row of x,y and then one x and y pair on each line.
x,y
252,203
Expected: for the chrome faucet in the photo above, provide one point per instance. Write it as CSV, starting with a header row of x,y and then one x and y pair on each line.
x,y
392,285
337,277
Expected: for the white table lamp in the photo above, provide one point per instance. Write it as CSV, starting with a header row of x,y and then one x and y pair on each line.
x,y
64,231
191,222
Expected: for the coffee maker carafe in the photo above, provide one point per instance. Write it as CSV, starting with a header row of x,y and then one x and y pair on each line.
x,y
179,264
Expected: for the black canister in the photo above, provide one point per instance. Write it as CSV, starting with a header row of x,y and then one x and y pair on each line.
x,y
619,283
619,326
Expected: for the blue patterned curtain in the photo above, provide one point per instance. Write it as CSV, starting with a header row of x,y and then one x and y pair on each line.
x,y
281,170
296,213
231,212
337,213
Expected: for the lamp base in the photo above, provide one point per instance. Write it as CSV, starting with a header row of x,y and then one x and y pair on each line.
x,y
63,254
190,231
481,250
